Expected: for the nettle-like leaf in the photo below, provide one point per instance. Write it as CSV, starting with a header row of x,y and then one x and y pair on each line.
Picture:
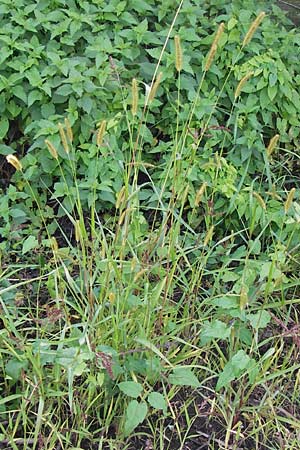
x,y
135,414
131,388
235,367
214,330
183,376
157,401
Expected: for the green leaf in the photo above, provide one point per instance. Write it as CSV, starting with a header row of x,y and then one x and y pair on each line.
x,y
231,23
225,302
259,320
272,91
64,90
86,103
34,77
214,330
19,92
233,369
8,399
157,401
30,243
130,388
135,414
14,367
33,97
5,150
183,376
4,125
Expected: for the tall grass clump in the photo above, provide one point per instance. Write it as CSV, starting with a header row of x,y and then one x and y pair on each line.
x,y
176,306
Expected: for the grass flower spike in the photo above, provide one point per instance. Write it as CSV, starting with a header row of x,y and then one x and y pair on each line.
x,y
51,149
155,87
100,133
14,161
69,130
242,84
63,138
272,144
260,200
289,200
255,24
214,47
135,97
178,54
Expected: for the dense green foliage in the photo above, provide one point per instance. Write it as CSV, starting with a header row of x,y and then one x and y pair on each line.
x,y
156,253
78,60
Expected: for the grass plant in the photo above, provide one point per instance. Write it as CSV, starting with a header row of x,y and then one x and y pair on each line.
x,y
171,320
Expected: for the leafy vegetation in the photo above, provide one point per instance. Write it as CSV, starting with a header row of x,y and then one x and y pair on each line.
x,y
150,225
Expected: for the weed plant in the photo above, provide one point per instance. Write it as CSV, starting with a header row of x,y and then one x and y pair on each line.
x,y
170,318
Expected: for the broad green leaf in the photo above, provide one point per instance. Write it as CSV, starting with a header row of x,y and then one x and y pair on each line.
x,y
214,330
135,414
14,367
272,91
4,125
64,90
259,319
231,23
130,388
225,302
183,376
34,77
233,369
33,96
157,401
19,92
30,243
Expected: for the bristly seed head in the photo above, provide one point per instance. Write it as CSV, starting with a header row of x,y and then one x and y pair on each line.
x,y
69,130
14,161
289,200
155,87
208,236
255,24
272,144
241,84
63,138
178,54
135,97
100,133
51,149
260,200
199,194
214,47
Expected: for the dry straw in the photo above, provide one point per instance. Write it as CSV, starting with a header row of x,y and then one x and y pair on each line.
x,y
100,133
272,144
51,149
155,87
241,84
289,200
214,47
135,97
260,200
13,160
178,54
63,138
255,24
69,130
